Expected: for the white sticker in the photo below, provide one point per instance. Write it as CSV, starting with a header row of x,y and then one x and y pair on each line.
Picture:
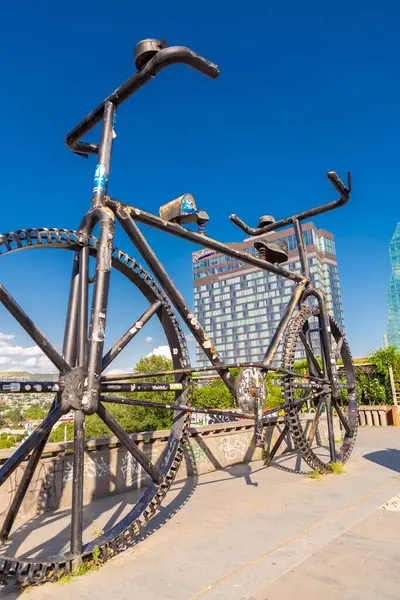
x,y
190,316
37,387
207,344
175,386
174,350
193,321
98,337
27,387
133,387
55,388
102,315
15,387
133,330
139,324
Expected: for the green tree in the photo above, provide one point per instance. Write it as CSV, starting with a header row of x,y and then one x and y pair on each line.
x,y
6,441
58,433
35,412
213,395
15,414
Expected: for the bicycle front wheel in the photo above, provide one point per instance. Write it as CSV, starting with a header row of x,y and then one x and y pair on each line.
x,y
323,429
147,465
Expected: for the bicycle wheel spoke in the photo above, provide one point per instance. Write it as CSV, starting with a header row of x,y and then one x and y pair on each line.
x,y
23,485
342,418
331,433
339,348
129,335
314,366
174,407
314,424
129,444
33,440
33,331
77,484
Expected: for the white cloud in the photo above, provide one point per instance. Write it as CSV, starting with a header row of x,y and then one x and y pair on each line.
x,y
3,336
148,339
20,358
118,371
161,351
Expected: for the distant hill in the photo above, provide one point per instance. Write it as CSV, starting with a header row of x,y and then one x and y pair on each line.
x,y
26,376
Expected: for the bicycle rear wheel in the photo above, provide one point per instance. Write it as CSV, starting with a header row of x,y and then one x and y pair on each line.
x,y
38,567
310,425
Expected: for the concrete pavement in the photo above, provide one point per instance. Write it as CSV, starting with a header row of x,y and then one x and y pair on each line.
x,y
253,533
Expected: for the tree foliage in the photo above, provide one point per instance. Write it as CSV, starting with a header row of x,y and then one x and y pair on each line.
x,y
374,387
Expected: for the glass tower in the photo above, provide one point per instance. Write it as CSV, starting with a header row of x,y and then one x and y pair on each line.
x,y
240,306
393,322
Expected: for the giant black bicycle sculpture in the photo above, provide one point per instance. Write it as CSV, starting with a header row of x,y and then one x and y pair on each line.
x,y
82,388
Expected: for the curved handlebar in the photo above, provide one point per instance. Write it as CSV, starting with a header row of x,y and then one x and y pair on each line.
x,y
163,58
341,201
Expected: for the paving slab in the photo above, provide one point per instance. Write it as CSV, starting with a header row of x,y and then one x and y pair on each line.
x,y
253,533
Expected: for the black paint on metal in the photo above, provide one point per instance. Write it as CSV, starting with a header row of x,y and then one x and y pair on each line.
x,y
138,239
22,452
129,335
69,353
129,444
298,230
77,485
307,214
261,366
284,323
32,330
123,211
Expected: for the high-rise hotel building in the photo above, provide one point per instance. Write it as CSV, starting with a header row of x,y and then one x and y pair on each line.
x,y
240,306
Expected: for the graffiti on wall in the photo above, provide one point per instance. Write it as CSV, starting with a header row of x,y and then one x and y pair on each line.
x,y
199,454
234,446
92,468
130,469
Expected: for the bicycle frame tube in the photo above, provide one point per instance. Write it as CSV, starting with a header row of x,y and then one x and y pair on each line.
x,y
92,356
174,229
283,323
126,218
176,297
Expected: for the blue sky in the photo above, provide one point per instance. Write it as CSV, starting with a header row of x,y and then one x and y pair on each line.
x,y
304,88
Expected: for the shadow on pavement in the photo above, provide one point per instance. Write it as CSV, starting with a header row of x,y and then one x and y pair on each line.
x,y
58,543
389,458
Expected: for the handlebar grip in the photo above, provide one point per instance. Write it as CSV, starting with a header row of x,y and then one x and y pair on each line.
x,y
181,54
337,183
207,67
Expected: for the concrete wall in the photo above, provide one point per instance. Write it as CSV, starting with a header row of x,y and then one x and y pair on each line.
x,y
110,469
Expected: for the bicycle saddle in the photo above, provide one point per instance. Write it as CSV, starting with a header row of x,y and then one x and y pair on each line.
x,y
181,210
273,252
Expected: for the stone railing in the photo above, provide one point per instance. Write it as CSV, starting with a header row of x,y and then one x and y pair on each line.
x,y
109,468
378,416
